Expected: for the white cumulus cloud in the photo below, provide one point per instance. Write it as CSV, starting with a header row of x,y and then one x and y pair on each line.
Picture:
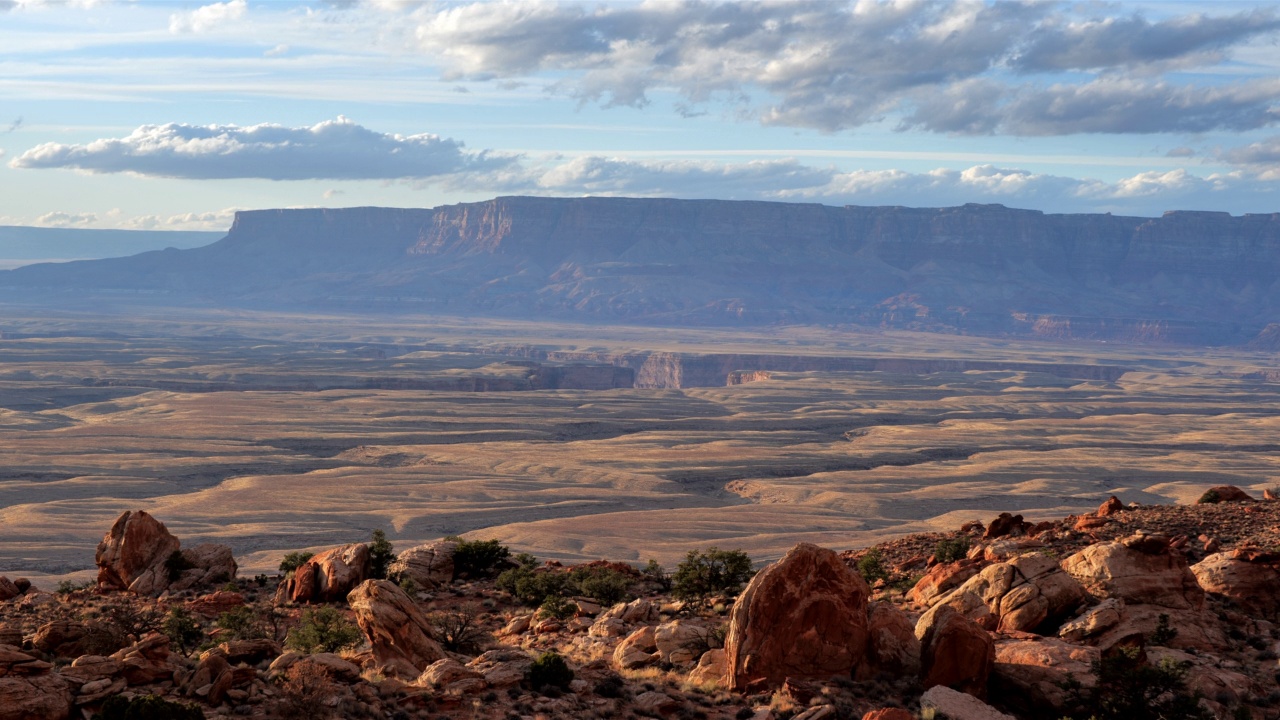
x,y
208,17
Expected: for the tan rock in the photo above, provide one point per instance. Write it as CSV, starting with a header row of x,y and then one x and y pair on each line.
x,y
43,696
396,628
502,667
1138,569
429,566
655,704
803,617
892,646
450,676
606,627
516,625
61,638
210,564
1094,621
327,576
212,678
1017,596
959,706
132,555
678,640
636,611
249,651
1029,673
146,661
1251,584
954,651
639,649
712,668
214,604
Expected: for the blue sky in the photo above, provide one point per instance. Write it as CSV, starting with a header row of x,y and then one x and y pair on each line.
x,y
171,115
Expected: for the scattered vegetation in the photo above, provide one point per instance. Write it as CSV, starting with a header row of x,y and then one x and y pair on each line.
x,y
951,549
602,584
555,606
66,587
871,566
304,690
322,630
1130,688
479,558
1164,632
550,670
654,573
293,561
240,624
147,707
532,586
703,574
183,629
381,555
458,630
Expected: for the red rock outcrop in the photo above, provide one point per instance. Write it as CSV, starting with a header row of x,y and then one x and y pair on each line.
x,y
135,555
941,579
1018,595
1225,493
892,645
397,630
1029,672
1006,524
1111,507
1251,579
29,689
328,576
955,652
804,616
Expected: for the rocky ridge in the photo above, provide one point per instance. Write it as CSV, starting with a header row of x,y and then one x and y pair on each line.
x,y
988,621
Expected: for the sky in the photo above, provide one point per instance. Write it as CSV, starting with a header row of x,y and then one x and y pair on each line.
x,y
151,114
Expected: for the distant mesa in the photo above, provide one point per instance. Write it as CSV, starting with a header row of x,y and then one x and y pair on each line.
x,y
1185,277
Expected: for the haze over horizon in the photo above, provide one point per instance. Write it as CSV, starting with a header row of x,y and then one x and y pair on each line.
x,y
172,115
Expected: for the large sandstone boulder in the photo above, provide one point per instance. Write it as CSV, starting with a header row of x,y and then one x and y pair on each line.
x,y
132,555
680,642
1020,595
503,666
396,628
147,661
61,638
1029,673
953,705
1224,493
428,565
8,589
712,668
1138,569
804,617
328,576
892,645
942,579
955,652
29,689
637,650
1251,578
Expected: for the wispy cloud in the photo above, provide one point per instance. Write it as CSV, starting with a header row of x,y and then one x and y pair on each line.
x,y
336,150
13,126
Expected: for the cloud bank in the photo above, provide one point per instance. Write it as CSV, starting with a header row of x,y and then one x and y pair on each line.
x,y
962,67
343,150
336,150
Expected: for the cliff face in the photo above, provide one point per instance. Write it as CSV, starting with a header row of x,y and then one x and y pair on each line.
x,y
1186,277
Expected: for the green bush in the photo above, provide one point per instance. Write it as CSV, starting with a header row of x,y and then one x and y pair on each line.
x,y
381,554
531,586
293,561
555,606
604,585
147,707
1209,497
479,558
713,572
550,670
240,624
951,549
176,564
66,587
322,630
183,629
654,573
1164,632
871,566
1129,688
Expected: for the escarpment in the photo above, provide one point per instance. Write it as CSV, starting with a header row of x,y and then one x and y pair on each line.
x,y
1185,277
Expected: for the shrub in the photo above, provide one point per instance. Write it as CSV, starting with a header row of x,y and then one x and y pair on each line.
x,y
532,587
176,564
550,670
322,630
240,624
654,573
1209,497
526,560
702,574
1164,633
1129,688
951,550
479,558
458,630
871,566
381,554
304,690
555,606
604,585
409,586
293,561
66,587
147,707
183,629
133,619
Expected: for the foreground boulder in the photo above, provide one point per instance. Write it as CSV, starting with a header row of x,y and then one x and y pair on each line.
x,y
398,632
892,646
804,617
958,706
429,566
1030,673
328,576
955,652
29,689
140,555
1248,576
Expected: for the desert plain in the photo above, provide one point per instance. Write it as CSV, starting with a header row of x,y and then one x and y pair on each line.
x,y
274,432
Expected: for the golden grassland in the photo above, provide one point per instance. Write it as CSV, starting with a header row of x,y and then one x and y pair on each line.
x,y
270,444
